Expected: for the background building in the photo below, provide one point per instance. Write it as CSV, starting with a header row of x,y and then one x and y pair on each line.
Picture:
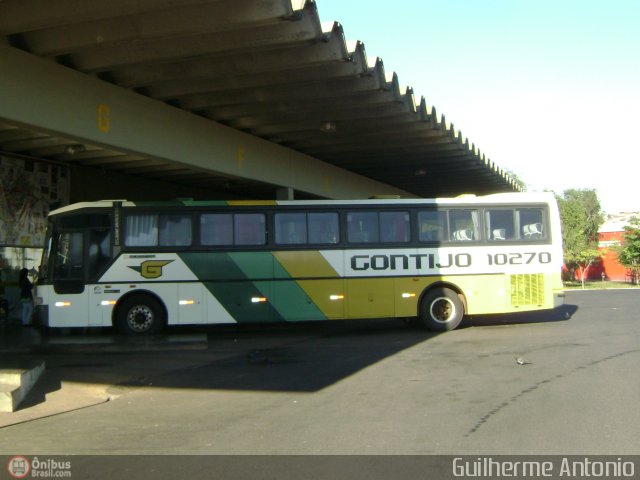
x,y
611,235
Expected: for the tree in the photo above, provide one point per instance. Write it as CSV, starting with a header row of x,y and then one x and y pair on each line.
x,y
629,251
581,218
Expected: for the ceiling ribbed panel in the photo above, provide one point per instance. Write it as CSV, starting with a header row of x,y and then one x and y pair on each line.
x,y
268,68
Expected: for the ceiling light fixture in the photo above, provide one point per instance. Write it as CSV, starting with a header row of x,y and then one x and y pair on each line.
x,y
328,127
75,148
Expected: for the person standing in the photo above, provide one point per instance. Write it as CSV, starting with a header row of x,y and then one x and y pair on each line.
x,y
26,296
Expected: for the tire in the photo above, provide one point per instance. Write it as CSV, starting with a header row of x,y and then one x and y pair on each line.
x,y
441,310
140,315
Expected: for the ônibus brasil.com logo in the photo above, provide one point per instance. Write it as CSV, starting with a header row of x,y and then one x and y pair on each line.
x,y
19,467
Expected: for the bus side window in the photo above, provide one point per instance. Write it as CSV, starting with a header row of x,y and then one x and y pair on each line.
x,y
216,229
432,226
362,227
500,225
324,228
395,227
141,230
463,224
175,230
291,228
532,224
249,229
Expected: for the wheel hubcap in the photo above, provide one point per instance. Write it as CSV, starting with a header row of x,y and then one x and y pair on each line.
x,y
442,309
140,318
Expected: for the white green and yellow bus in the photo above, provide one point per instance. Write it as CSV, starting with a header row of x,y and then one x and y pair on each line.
x,y
141,266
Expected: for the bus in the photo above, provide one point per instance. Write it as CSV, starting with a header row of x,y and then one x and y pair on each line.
x,y
141,266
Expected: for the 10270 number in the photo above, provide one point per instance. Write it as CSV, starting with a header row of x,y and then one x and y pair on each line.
x,y
526,258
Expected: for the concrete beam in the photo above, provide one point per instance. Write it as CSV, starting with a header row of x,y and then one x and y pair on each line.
x,y
332,49
179,19
150,50
45,96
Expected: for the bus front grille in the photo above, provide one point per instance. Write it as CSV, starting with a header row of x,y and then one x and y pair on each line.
x,y
527,289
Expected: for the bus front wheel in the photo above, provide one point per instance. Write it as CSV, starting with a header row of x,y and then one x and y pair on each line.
x,y
139,315
441,310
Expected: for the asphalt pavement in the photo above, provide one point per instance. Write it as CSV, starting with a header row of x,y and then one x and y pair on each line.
x,y
516,384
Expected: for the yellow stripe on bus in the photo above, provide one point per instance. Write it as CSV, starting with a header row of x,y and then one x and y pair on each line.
x,y
305,264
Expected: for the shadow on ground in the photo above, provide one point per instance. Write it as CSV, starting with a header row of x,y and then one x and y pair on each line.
x,y
560,314
301,357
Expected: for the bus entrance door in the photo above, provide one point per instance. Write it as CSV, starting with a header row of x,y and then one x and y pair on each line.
x,y
69,307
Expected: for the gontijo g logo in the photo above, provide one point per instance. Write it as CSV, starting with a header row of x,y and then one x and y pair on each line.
x,y
19,467
151,268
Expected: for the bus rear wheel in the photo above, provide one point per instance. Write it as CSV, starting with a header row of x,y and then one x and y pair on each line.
x,y
441,310
140,315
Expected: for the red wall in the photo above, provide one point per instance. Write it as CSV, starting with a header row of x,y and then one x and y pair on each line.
x,y
610,266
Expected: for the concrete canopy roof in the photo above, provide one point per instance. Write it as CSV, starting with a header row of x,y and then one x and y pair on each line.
x,y
269,68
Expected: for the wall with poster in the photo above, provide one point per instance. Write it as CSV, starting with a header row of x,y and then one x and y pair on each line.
x,y
28,189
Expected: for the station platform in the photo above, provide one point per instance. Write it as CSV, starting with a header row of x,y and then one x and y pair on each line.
x,y
49,373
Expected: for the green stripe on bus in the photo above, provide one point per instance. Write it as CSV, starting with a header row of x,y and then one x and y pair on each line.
x,y
287,297
254,265
242,301
236,292
245,276
293,304
213,266
291,300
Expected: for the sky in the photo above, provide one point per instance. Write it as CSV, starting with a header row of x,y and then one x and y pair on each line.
x,y
547,89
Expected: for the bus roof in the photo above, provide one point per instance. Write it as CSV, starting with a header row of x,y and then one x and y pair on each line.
x,y
497,198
